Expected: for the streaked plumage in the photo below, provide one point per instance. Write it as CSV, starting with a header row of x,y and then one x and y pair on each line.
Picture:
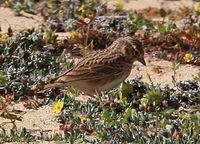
x,y
102,70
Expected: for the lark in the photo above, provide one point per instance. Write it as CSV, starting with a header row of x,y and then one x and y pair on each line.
x,y
102,70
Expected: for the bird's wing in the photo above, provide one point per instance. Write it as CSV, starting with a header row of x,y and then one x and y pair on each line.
x,y
95,66
64,73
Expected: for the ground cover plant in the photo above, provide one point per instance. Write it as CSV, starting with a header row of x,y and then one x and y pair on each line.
x,y
135,112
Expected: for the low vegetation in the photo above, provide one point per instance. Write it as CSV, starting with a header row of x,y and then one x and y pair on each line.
x,y
134,112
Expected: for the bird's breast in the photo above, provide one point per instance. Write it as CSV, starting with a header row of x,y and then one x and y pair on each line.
x,y
110,83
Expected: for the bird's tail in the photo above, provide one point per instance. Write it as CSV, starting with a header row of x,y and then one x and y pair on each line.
x,y
56,82
50,86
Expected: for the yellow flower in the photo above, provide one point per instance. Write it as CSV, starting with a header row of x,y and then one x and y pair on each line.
x,y
4,36
197,7
183,116
119,4
81,17
133,111
73,35
81,9
144,102
87,119
84,118
89,1
57,107
188,57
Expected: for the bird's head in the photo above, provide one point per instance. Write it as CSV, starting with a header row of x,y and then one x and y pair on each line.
x,y
131,48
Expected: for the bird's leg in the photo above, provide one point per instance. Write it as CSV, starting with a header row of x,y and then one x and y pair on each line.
x,y
99,96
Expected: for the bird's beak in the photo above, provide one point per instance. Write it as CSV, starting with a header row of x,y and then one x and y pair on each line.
x,y
142,61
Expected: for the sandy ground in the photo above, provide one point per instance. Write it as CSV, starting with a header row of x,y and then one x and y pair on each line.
x,y
43,118
141,4
17,23
161,72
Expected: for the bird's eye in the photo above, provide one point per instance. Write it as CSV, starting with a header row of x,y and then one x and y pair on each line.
x,y
136,53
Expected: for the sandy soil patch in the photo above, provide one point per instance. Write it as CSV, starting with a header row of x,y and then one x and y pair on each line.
x,y
18,23
161,71
141,4
36,120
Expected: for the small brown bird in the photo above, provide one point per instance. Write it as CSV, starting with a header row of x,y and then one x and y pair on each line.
x,y
102,70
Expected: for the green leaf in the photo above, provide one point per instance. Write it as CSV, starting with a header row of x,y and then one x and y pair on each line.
x,y
154,96
126,90
167,113
3,79
107,116
175,66
79,140
166,134
126,115
198,77
162,29
60,142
